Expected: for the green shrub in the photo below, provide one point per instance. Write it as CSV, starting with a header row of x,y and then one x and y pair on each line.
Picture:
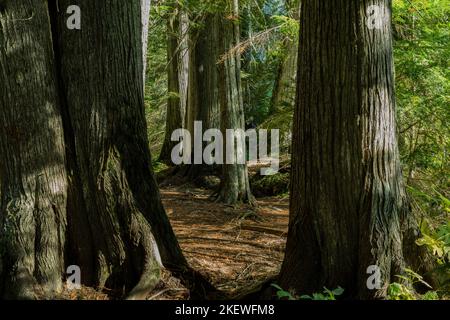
x,y
327,294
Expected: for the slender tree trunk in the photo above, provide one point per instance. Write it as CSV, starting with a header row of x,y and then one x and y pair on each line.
x,y
174,117
183,62
235,186
203,88
32,168
145,20
347,197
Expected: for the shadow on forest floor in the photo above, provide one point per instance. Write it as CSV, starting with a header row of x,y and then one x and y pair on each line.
x,y
234,247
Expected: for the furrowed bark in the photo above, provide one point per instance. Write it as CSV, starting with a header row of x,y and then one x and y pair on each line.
x,y
203,96
75,155
348,201
32,170
115,199
235,186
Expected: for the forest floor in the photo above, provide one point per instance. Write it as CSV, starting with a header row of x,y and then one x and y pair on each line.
x,y
235,247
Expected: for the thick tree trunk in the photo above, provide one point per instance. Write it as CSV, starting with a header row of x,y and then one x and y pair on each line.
x,y
75,155
32,168
235,186
347,196
114,204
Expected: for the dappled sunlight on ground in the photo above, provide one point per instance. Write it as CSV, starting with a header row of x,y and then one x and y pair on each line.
x,y
235,247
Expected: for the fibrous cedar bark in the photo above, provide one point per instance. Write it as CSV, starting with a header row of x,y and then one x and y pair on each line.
x,y
235,186
348,202
115,211
203,86
76,179
32,167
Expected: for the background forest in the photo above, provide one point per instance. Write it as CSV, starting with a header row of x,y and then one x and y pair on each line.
x,y
269,46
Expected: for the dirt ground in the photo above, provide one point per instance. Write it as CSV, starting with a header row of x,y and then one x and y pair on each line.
x,y
234,247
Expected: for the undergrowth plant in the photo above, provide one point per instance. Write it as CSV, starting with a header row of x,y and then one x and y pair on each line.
x,y
326,294
404,289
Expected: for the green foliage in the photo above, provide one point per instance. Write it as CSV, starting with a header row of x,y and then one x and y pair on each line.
x,y
403,290
288,26
158,166
430,295
270,185
156,92
261,62
327,294
283,294
398,291
437,241
422,54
